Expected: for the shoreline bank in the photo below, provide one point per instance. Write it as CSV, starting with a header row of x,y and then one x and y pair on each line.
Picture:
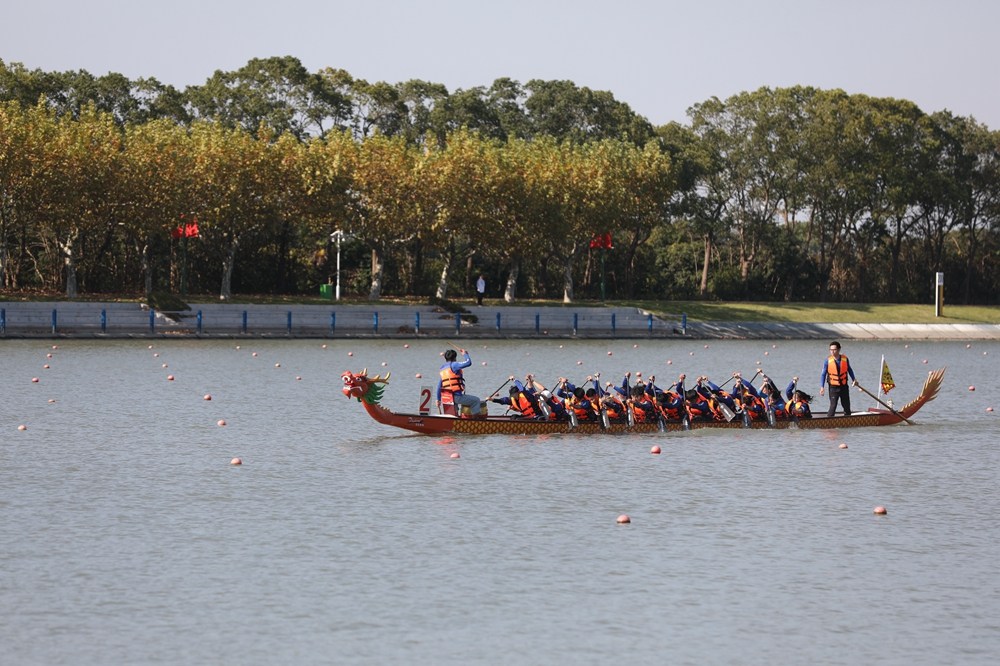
x,y
115,321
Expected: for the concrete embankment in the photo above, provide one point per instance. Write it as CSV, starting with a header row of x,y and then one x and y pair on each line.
x,y
74,319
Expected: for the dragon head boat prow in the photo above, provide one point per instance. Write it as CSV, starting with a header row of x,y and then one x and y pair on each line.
x,y
362,387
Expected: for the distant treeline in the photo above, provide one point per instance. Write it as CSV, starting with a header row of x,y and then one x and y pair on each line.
x,y
788,194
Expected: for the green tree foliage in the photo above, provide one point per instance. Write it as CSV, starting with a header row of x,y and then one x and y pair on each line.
x,y
786,194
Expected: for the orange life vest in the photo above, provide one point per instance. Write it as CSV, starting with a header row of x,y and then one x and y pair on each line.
x,y
752,405
671,413
521,403
614,408
837,372
799,408
578,408
696,412
451,381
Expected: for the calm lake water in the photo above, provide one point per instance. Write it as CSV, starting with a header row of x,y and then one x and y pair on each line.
x,y
126,537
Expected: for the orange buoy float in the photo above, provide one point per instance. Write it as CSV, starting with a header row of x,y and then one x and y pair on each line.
x,y
655,450
972,388
34,380
221,422
989,409
455,456
623,519
170,378
843,445
45,367
22,427
880,511
236,461
208,396
419,376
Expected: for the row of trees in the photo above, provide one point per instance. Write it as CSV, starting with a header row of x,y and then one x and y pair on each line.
x,y
795,193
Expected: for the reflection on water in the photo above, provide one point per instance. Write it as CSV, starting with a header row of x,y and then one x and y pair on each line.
x,y
128,538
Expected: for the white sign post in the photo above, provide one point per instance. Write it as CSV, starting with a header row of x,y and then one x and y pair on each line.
x,y
938,294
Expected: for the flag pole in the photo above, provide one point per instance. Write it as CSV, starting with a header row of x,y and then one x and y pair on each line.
x,y
881,370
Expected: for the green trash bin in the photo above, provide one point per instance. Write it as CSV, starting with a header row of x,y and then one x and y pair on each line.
x,y
326,291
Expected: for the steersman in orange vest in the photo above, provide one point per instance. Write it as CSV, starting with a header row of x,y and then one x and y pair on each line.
x,y
836,370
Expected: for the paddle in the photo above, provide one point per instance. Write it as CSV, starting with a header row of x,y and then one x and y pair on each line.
x,y
493,395
543,402
908,421
627,402
723,407
569,405
746,415
791,412
605,421
660,424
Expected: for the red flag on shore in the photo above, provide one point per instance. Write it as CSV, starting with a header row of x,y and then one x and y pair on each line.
x,y
601,241
186,230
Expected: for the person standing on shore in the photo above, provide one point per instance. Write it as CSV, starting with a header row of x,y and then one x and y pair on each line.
x,y
836,371
480,290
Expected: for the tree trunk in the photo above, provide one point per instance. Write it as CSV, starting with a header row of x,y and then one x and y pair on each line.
x,y
568,274
703,289
449,256
69,261
226,291
510,291
378,268
4,258
147,271
630,271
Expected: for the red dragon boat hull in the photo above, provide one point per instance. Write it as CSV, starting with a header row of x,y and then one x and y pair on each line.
x,y
368,391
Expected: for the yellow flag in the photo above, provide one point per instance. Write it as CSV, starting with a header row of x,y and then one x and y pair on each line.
x,y
887,383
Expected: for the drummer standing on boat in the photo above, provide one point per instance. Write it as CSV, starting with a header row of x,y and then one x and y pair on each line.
x,y
453,382
836,371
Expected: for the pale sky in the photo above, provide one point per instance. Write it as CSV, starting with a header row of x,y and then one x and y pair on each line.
x,y
658,56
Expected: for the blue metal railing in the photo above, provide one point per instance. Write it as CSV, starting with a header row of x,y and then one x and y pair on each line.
x,y
517,321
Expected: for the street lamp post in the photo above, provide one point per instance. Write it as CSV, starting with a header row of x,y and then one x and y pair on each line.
x,y
337,236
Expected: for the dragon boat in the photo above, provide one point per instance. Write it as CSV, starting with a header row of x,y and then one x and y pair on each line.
x,y
368,391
